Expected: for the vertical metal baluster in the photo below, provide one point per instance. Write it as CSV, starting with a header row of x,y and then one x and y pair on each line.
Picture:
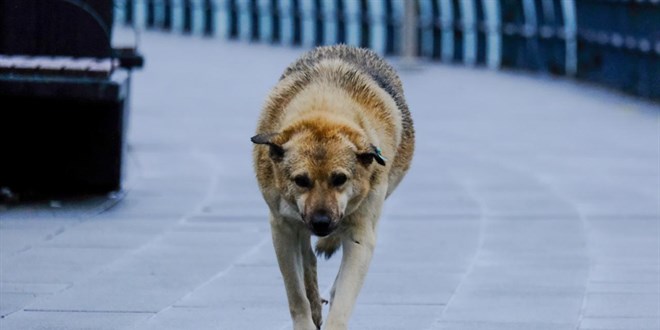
x,y
265,20
296,22
447,23
409,34
352,19
340,13
319,27
378,33
308,30
570,36
209,17
253,7
365,24
425,29
482,33
151,13
330,21
457,14
286,19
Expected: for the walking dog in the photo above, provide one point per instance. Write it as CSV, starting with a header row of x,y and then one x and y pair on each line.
x,y
334,139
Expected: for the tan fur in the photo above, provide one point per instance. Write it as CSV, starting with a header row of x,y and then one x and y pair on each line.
x,y
329,110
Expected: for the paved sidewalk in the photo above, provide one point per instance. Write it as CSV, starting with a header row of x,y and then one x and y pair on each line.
x,y
533,203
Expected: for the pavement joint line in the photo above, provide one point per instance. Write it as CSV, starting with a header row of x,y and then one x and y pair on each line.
x,y
402,304
475,257
86,311
584,224
252,251
430,217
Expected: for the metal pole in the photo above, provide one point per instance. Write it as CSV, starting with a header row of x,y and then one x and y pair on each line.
x,y
409,34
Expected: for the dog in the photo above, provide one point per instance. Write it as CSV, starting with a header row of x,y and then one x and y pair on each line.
x,y
334,139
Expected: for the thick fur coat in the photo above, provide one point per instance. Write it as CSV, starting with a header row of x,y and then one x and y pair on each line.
x,y
334,139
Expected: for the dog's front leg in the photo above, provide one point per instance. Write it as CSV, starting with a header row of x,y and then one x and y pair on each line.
x,y
287,240
311,282
358,247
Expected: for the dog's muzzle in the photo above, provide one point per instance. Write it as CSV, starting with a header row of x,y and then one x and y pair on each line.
x,y
321,224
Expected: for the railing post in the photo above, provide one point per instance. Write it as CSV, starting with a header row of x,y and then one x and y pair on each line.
x,y
151,13
352,21
187,16
330,21
378,33
209,17
253,8
129,10
233,19
425,24
308,23
286,19
167,15
482,30
296,17
409,34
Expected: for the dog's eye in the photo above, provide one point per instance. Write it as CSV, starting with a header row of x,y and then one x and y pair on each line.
x,y
338,179
302,181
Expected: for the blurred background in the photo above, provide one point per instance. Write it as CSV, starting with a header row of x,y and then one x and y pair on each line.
x,y
128,200
610,42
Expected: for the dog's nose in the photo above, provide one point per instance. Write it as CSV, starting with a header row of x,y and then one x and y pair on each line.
x,y
321,223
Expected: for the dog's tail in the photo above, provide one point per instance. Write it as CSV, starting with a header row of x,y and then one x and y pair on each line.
x,y
327,246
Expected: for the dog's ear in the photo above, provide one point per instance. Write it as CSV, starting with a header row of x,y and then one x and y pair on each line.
x,y
276,151
366,158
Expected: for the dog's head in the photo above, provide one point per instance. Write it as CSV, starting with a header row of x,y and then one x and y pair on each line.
x,y
323,170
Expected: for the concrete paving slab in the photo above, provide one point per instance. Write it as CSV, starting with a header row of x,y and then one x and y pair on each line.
x,y
616,305
613,323
229,316
12,302
501,326
70,320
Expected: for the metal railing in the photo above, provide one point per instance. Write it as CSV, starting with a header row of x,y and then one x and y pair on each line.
x,y
614,42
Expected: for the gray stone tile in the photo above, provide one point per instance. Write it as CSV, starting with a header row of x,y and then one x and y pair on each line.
x,y
157,275
51,264
391,317
11,302
230,316
501,326
408,287
43,320
627,305
623,287
613,323
626,272
107,234
245,286
505,307
32,288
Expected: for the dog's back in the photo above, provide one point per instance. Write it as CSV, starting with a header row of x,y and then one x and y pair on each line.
x,y
369,63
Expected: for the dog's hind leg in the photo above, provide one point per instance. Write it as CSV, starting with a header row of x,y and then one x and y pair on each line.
x,y
311,282
287,239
